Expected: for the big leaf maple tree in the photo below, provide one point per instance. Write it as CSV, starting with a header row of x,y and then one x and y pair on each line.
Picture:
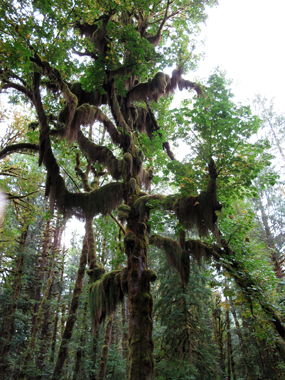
x,y
94,75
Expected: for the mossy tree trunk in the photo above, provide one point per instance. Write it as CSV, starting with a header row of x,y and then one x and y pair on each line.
x,y
63,350
125,342
105,348
140,302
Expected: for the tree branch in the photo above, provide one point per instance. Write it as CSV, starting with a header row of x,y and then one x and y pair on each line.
x,y
18,148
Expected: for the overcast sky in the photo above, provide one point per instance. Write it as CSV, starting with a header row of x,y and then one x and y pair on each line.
x,y
246,38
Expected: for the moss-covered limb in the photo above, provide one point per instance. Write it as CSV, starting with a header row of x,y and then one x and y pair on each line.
x,y
151,90
86,115
177,81
63,350
146,202
161,85
32,341
100,154
104,296
127,137
174,255
18,148
82,175
105,348
100,201
192,212
250,287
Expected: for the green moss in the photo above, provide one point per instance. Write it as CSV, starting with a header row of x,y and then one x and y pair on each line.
x,y
123,211
104,296
174,255
198,212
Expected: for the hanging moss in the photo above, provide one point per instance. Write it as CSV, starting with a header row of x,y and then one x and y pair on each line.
x,y
197,212
151,90
123,212
104,296
174,255
198,250
96,274
185,267
133,186
127,166
124,280
177,81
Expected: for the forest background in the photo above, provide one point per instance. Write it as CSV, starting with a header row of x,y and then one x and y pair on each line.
x,y
90,96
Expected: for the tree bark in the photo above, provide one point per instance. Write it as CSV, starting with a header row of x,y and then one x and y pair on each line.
x,y
105,349
140,303
62,353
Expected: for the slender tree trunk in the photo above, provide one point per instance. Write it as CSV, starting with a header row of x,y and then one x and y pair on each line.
x,y
125,342
9,325
80,349
218,333
230,358
41,274
43,342
32,341
270,242
62,353
105,348
55,323
250,375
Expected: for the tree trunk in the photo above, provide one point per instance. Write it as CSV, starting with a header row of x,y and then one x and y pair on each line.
x,y
55,323
250,375
125,343
140,303
9,325
41,274
32,341
230,357
80,349
105,348
62,353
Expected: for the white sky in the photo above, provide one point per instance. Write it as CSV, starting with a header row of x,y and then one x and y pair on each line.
x,y
246,38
